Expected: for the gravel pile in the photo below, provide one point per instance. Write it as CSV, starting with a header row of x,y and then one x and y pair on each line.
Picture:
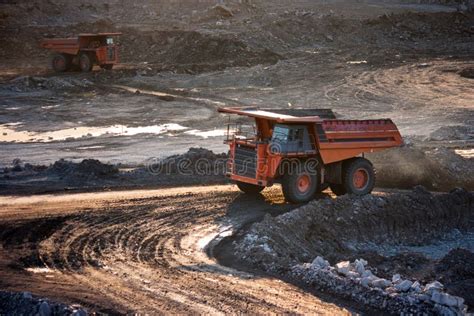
x,y
458,132
88,168
354,280
32,83
25,304
196,161
332,230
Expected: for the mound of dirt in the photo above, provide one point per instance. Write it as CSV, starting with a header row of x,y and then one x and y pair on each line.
x,y
196,161
346,227
88,168
467,73
458,132
25,304
334,228
198,166
456,271
32,83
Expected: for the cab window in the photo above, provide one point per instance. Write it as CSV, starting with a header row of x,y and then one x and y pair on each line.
x,y
280,133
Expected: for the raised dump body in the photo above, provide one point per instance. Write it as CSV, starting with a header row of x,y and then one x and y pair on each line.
x,y
306,154
83,51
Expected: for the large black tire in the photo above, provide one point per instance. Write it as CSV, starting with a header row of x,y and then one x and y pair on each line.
x,y
358,176
85,63
61,62
107,66
299,185
249,188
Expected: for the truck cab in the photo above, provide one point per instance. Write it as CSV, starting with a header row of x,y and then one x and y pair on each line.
x,y
290,139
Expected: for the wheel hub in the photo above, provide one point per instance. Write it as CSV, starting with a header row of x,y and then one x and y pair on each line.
x,y
360,178
304,183
59,62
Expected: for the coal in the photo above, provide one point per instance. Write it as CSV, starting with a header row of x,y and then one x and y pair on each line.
x,y
85,169
23,303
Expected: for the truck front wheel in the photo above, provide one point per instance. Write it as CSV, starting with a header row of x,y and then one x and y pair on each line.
x,y
61,62
359,177
85,62
299,185
249,188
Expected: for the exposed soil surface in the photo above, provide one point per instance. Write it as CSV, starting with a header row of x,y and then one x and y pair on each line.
x,y
140,124
142,251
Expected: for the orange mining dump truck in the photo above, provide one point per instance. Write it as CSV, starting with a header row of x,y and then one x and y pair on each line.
x,y
83,51
306,153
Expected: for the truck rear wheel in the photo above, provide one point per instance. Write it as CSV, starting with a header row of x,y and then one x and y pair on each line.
x,y
359,177
299,185
85,63
249,188
61,62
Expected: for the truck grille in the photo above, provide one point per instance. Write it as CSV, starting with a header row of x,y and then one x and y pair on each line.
x,y
245,161
110,53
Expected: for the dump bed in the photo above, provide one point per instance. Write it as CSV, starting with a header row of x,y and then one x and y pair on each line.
x,y
62,45
343,139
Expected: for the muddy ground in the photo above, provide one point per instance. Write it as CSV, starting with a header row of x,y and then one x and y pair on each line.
x,y
172,249
142,251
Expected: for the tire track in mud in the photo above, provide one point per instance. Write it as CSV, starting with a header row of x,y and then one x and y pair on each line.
x,y
413,95
143,253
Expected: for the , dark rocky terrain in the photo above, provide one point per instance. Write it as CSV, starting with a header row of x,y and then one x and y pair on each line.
x,y
400,237
73,145
25,304
198,166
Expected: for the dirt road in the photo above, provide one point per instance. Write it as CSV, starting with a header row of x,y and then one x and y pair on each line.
x,y
142,251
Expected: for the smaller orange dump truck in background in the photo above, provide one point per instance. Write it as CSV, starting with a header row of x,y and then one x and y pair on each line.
x,y
306,153
83,51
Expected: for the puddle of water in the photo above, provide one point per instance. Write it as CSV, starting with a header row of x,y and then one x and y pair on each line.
x,y
39,270
357,62
90,147
7,134
465,153
206,134
46,107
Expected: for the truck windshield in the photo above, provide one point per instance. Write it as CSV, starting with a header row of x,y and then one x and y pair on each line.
x,y
280,133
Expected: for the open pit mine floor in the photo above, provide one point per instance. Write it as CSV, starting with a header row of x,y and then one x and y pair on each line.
x,y
180,250
143,251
